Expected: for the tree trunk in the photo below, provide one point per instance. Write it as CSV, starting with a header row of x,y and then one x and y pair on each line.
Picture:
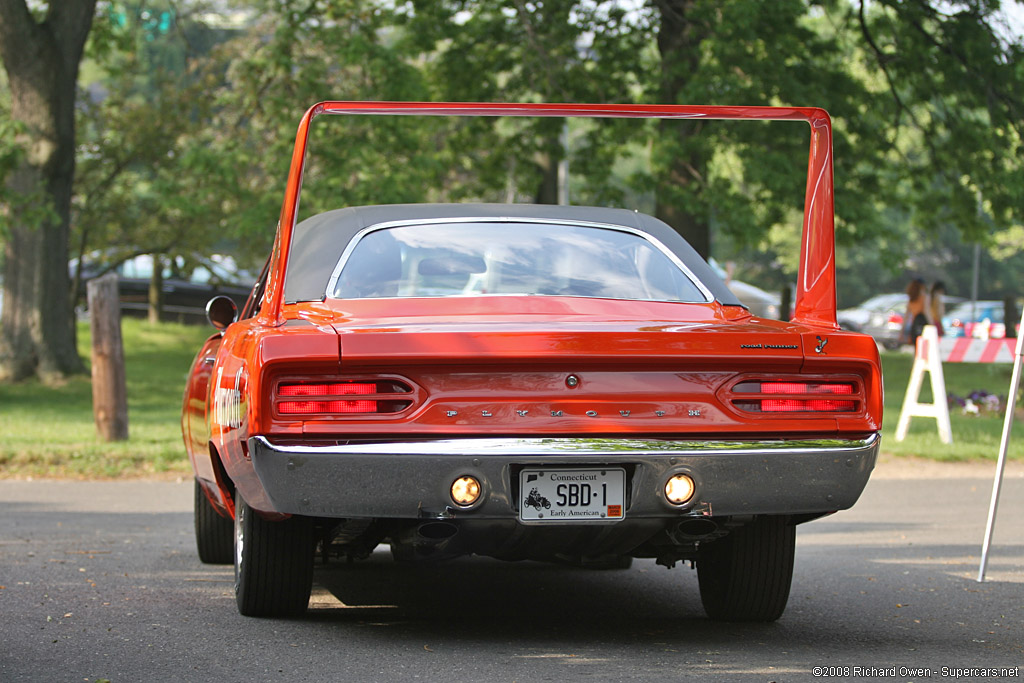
x,y
547,160
41,60
680,160
547,189
156,290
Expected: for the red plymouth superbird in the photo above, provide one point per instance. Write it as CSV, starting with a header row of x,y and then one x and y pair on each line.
x,y
560,383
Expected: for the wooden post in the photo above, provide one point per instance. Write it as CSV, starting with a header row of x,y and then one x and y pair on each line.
x,y
109,394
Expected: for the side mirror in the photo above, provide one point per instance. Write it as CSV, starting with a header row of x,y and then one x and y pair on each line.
x,y
221,311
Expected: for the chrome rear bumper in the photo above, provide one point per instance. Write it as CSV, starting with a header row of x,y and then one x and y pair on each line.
x,y
412,479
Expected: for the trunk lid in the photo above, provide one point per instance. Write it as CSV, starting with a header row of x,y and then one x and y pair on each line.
x,y
565,366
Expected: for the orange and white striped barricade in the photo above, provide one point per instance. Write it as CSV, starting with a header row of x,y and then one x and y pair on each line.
x,y
929,355
967,350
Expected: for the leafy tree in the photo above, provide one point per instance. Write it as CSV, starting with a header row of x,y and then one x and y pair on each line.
x,y
550,51
926,101
295,54
136,189
41,50
956,109
732,179
191,139
739,180
953,88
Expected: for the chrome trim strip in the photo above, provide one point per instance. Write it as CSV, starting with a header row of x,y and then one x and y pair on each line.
x,y
579,446
332,283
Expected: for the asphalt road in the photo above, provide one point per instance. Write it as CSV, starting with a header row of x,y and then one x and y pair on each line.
x,y
99,580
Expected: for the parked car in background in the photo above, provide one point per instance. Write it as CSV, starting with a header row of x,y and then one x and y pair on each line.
x,y
186,288
759,302
885,322
988,321
525,382
881,316
857,318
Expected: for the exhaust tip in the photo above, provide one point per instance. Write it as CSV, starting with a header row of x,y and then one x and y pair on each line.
x,y
436,531
696,528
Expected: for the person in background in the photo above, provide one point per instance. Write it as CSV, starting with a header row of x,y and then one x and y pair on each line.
x,y
937,305
915,317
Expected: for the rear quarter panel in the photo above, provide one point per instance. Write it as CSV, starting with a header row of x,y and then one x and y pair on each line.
x,y
194,427
238,389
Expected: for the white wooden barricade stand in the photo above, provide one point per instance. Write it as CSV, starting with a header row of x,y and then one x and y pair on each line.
x,y
926,359
1004,444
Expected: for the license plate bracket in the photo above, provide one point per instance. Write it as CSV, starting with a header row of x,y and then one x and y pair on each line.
x,y
563,494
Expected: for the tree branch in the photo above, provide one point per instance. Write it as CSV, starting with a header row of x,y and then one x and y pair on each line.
x,y
69,22
18,30
883,59
1013,105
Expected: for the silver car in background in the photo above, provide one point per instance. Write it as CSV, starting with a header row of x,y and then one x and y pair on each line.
x,y
882,316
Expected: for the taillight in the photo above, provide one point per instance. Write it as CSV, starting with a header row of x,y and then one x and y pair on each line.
x,y
326,389
772,396
341,398
895,319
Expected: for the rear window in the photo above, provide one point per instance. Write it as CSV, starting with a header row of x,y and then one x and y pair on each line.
x,y
525,259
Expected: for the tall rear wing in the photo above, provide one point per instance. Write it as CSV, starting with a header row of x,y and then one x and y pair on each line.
x,y
816,281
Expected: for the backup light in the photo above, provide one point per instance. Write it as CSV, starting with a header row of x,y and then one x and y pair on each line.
x,y
679,489
465,490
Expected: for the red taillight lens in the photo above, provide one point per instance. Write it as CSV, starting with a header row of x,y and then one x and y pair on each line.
x,y
313,407
797,406
895,319
341,398
805,388
796,397
330,389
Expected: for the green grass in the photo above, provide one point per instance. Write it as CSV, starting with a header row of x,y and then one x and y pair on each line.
x,y
975,437
49,430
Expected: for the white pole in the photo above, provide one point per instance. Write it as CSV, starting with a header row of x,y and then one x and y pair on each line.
x,y
1004,443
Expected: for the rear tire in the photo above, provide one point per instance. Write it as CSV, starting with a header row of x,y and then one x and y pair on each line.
x,y
746,575
273,563
214,533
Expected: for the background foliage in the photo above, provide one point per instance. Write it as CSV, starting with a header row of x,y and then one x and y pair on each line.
x,y
188,109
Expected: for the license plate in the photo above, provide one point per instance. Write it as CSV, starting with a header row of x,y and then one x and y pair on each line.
x,y
563,495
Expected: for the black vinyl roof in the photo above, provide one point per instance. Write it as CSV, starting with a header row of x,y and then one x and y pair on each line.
x,y
319,241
